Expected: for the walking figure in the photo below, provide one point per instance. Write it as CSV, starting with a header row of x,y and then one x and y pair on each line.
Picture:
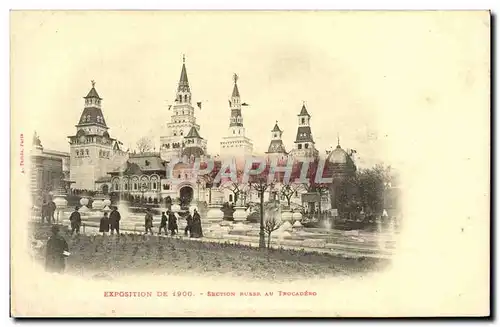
x,y
114,221
76,221
104,224
55,255
196,230
189,225
163,224
148,221
172,223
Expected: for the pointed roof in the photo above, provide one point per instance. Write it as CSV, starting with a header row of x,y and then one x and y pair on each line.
x,y
303,111
92,93
236,92
183,81
276,128
193,133
276,146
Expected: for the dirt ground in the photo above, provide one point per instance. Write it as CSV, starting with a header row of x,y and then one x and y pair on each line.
x,y
100,256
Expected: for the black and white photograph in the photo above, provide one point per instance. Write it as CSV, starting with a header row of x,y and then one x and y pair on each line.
x,y
249,164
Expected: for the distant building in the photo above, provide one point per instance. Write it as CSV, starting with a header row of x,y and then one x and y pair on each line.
x,y
182,130
236,144
304,141
93,152
48,169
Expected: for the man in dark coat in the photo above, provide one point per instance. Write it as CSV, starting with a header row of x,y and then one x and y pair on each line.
x,y
163,223
76,221
172,222
196,230
104,224
148,222
114,221
55,257
189,225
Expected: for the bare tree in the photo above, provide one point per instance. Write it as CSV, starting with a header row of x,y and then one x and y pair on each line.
x,y
288,191
144,144
272,223
260,185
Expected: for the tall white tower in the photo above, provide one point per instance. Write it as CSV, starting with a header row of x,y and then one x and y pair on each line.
x,y
304,142
181,121
236,144
92,149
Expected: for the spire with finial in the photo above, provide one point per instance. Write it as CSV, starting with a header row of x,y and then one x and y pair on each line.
x,y
338,140
93,93
303,111
183,81
276,145
235,104
236,92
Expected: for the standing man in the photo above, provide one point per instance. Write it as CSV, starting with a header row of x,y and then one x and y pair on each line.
x,y
76,221
189,225
55,255
172,222
114,221
148,221
163,224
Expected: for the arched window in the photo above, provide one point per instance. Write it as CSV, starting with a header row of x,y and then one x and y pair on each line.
x,y
234,132
87,152
303,120
135,186
182,132
299,146
185,98
306,146
230,198
180,98
275,135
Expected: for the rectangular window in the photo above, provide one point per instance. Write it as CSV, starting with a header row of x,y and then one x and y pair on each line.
x,y
135,186
154,185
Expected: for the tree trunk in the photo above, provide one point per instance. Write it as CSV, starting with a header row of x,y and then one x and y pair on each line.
x,y
269,241
210,195
262,242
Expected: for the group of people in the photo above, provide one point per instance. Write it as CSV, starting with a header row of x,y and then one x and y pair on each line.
x,y
168,223
111,223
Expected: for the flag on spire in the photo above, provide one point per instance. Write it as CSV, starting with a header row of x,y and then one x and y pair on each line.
x,y
229,102
169,106
198,104
245,104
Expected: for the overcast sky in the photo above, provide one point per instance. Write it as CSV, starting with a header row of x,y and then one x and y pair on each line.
x,y
358,73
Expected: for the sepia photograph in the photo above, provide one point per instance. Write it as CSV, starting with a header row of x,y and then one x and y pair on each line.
x,y
250,164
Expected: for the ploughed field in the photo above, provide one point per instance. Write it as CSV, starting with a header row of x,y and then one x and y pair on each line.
x,y
107,256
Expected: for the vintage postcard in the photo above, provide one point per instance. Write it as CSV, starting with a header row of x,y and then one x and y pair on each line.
x,y
250,164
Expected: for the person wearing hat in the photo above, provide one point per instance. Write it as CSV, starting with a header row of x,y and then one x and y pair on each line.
x,y
76,221
114,221
148,221
163,224
172,222
104,224
55,252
